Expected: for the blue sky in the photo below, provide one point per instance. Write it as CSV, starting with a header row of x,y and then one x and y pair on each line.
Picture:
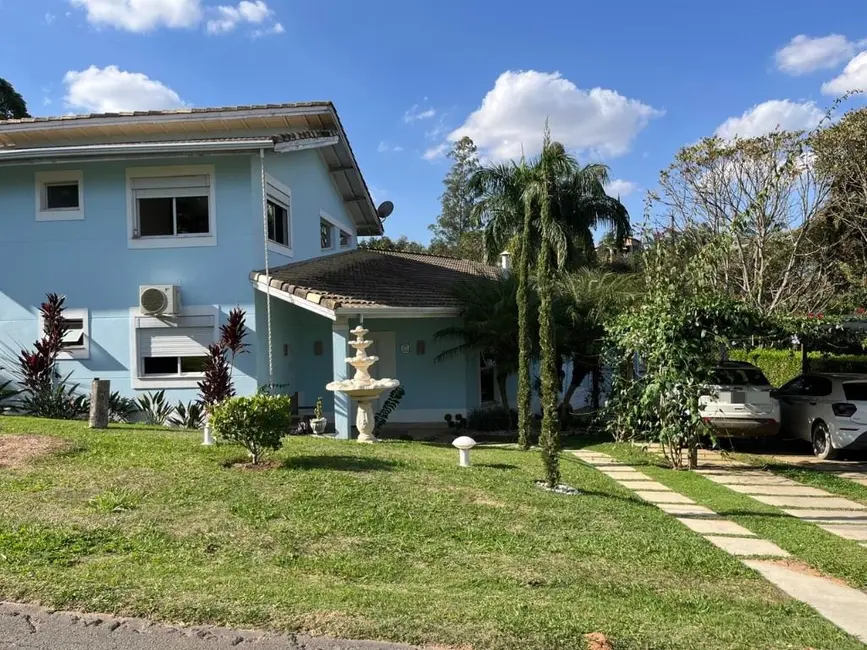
x,y
625,83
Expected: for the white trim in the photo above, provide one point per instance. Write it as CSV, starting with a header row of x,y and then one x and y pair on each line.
x,y
294,300
175,241
273,246
137,148
75,354
42,179
157,382
309,143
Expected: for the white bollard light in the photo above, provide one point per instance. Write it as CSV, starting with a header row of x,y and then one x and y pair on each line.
x,y
464,444
208,439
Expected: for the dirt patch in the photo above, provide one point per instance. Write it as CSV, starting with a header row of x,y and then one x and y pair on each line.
x,y
597,641
806,569
268,464
16,451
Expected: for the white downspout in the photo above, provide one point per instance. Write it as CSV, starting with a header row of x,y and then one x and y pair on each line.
x,y
267,267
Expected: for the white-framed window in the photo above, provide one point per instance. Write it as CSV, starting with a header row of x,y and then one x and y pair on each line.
x,y
76,341
171,207
326,235
60,195
345,239
279,206
171,352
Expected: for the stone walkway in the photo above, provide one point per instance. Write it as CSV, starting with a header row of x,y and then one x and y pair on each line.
x,y
840,604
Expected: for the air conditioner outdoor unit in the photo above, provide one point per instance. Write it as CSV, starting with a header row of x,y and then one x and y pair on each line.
x,y
159,299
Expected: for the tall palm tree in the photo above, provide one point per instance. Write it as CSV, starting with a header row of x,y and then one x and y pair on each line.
x,y
546,210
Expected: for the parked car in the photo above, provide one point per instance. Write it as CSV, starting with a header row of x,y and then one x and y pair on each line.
x,y
828,409
739,404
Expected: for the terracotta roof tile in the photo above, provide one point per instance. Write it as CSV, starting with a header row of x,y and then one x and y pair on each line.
x,y
363,278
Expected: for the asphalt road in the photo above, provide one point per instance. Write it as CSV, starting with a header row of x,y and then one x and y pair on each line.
x,y
25,627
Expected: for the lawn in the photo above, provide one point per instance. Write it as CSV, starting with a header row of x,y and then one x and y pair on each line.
x,y
390,542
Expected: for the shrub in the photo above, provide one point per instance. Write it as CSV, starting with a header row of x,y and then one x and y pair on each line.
x,y
388,406
318,411
188,416
217,386
780,366
491,418
155,408
56,402
257,423
121,409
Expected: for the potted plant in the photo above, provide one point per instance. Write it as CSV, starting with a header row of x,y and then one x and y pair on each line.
x,y
318,422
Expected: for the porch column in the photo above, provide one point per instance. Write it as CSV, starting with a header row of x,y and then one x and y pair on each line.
x,y
339,352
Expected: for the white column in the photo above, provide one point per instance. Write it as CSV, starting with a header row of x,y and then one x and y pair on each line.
x,y
342,403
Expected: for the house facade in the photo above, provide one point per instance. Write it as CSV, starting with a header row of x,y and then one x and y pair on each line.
x,y
155,225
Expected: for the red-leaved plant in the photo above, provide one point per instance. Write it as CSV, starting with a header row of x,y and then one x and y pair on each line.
x,y
38,368
217,385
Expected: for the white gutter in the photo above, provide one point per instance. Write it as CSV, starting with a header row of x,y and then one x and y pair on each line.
x,y
309,143
204,146
285,296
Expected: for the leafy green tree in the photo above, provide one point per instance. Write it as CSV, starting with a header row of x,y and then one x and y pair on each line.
x,y
402,244
12,104
458,231
489,327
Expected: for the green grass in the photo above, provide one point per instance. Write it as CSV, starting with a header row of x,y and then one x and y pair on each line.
x,y
824,551
391,542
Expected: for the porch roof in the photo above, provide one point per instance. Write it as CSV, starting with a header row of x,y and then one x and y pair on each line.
x,y
368,279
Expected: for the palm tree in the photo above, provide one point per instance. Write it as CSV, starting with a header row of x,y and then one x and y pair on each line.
x,y
548,208
488,308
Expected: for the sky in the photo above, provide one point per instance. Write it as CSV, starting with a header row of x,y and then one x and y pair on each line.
x,y
624,83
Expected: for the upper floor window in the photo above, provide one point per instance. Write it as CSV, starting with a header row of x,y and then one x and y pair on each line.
x,y
279,207
326,234
171,206
59,195
76,340
345,239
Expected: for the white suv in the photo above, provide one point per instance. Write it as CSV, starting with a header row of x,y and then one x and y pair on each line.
x,y
739,404
828,409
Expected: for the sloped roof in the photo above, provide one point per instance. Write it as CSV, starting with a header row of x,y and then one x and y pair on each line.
x,y
367,278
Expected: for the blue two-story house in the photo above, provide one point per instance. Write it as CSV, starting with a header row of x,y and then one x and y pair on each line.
x,y
155,224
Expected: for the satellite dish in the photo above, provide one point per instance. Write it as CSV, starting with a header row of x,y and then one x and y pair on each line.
x,y
385,208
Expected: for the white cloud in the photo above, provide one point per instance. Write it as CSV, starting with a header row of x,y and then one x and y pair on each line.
x,y
227,18
512,116
436,152
387,147
109,90
49,18
804,54
416,113
620,187
141,15
769,116
276,28
853,77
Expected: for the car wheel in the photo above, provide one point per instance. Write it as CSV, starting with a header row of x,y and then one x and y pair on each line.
x,y
822,447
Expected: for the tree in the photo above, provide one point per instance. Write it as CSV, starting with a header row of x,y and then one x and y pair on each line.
x,y
750,207
488,310
12,104
403,244
458,231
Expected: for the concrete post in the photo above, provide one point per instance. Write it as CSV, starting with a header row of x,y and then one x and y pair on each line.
x,y
339,352
100,389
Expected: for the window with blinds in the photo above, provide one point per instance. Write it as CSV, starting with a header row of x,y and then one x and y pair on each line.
x,y
171,206
278,216
176,349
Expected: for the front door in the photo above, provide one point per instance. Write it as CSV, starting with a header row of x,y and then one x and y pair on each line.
x,y
384,347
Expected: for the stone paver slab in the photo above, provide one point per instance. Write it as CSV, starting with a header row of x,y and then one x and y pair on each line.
x,y
739,479
836,503
840,604
851,516
648,485
664,497
779,490
707,526
854,532
746,546
686,510
624,473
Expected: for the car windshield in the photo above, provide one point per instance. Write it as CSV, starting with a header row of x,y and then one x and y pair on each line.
x,y
855,391
740,377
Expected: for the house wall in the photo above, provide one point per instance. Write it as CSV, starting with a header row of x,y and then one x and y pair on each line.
x,y
91,263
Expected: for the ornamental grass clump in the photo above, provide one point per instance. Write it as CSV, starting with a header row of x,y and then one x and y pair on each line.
x,y
257,423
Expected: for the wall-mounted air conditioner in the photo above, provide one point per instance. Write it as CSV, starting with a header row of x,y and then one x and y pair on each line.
x,y
160,299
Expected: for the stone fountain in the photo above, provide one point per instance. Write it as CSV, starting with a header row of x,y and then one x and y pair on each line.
x,y
363,388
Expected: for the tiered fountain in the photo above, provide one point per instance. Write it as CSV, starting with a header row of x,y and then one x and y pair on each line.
x,y
363,388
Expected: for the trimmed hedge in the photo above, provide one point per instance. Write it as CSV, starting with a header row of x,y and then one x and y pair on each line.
x,y
780,366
